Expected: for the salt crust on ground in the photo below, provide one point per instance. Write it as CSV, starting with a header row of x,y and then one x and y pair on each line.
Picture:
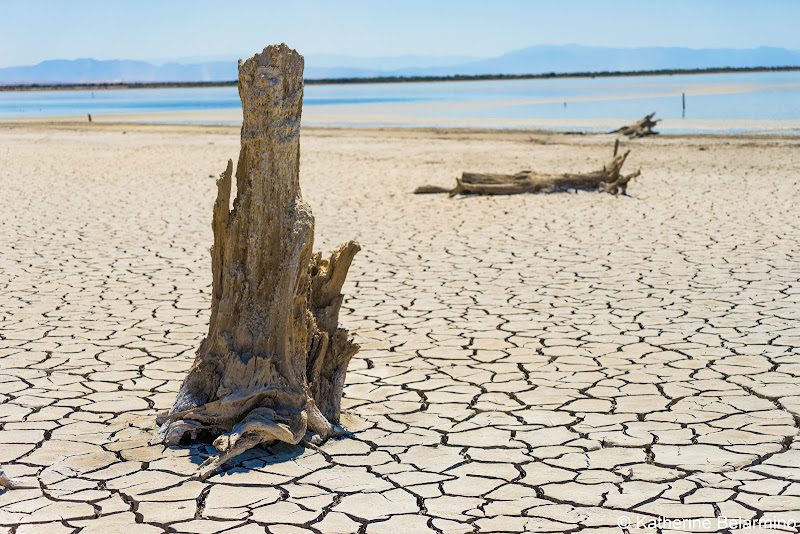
x,y
531,362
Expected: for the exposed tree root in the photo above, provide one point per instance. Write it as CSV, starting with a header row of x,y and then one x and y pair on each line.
x,y
641,128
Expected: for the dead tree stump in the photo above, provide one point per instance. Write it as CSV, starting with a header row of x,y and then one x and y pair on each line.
x,y
608,179
273,364
641,128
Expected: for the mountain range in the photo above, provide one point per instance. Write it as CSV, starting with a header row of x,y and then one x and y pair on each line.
x,y
533,60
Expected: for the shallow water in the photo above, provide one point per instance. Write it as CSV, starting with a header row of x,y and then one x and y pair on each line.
x,y
733,96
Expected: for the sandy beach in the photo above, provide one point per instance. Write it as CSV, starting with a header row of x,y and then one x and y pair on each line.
x,y
548,363
413,115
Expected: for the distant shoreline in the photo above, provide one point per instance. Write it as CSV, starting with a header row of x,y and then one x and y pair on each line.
x,y
394,79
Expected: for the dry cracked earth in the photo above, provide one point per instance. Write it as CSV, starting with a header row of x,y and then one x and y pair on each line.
x,y
536,363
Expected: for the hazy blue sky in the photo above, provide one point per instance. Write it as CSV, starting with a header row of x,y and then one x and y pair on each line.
x,y
34,30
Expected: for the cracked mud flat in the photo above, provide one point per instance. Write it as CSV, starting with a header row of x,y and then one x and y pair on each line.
x,y
529,363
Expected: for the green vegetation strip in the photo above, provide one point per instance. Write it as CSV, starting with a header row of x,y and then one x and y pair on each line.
x,y
395,79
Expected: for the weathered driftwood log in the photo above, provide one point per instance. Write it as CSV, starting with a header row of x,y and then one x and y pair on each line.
x,y
607,179
7,483
640,128
273,364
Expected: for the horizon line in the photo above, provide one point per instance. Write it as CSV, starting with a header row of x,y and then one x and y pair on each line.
x,y
67,86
